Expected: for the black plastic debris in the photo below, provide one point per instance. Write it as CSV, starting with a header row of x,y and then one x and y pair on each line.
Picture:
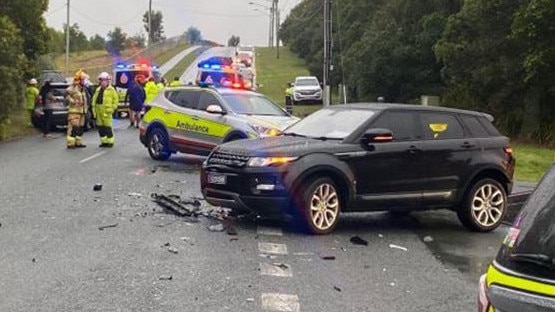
x,y
34,260
102,228
328,257
358,241
165,277
282,266
336,288
97,187
169,203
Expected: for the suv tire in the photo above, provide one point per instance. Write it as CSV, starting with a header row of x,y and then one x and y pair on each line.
x,y
157,144
319,206
484,206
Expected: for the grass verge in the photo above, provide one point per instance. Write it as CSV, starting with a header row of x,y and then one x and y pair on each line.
x,y
182,66
532,162
18,126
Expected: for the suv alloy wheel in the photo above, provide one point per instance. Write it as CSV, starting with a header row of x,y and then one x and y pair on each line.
x,y
320,206
484,207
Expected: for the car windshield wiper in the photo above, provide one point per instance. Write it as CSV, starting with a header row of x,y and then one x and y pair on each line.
x,y
537,259
293,134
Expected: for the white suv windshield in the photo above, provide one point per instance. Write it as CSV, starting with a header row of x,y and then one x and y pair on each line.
x,y
330,123
306,82
253,104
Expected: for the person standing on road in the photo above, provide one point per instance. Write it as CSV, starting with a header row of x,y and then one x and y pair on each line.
x,y
31,96
46,98
136,97
77,108
162,84
289,93
150,89
175,82
105,102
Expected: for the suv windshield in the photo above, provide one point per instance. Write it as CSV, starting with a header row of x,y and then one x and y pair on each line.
x,y
253,104
306,82
530,245
331,123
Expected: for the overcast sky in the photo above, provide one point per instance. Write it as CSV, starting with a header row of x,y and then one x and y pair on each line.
x,y
217,19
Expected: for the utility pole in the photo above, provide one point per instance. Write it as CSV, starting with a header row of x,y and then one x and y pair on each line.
x,y
277,29
67,39
272,25
149,23
327,52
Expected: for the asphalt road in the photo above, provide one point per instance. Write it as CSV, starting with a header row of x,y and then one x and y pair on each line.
x,y
55,258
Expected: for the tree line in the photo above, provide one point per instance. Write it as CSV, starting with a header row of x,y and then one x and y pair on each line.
x,y
495,56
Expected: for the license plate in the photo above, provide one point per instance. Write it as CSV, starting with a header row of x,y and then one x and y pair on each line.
x,y
216,178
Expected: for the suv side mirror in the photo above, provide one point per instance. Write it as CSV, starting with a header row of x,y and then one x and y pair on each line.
x,y
215,109
377,135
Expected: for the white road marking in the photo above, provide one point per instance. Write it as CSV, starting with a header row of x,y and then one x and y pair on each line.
x,y
280,302
92,157
270,248
275,269
303,254
270,231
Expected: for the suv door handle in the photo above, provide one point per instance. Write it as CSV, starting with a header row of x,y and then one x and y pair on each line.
x,y
467,145
413,149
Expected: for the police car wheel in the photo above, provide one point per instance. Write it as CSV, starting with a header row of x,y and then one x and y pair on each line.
x,y
158,146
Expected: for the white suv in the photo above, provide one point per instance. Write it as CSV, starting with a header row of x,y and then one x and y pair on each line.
x,y
307,89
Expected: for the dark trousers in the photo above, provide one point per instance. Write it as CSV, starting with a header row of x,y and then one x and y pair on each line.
x,y
289,104
46,121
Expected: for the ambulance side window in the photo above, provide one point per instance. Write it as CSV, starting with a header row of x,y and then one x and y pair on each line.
x,y
207,99
185,98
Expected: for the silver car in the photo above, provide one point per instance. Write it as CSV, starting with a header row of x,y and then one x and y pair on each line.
x,y
194,120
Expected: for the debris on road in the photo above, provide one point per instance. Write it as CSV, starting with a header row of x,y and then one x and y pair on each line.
x,y
172,205
165,277
97,187
398,247
166,244
34,260
107,226
133,194
328,257
337,288
358,241
216,228
428,239
250,299
161,225
173,250
233,239
185,238
380,235
282,266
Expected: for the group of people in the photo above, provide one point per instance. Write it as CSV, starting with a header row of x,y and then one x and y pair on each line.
x,y
103,101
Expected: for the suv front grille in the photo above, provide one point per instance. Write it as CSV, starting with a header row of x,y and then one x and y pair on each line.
x,y
232,160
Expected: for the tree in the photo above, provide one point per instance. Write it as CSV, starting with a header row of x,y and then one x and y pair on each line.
x,y
28,18
97,42
157,33
116,41
11,65
233,41
137,41
193,35
56,41
77,39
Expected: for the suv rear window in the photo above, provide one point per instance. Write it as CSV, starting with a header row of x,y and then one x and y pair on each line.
x,y
532,237
489,126
474,127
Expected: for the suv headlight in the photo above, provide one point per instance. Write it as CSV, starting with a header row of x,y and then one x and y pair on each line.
x,y
269,161
265,131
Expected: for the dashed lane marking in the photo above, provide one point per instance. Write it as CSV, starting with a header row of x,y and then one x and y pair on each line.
x,y
274,249
270,231
92,157
275,269
280,302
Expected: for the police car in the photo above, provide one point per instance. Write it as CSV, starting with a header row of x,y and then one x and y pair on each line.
x,y
195,119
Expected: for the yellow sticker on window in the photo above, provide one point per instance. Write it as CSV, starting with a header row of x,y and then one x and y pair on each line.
x,y
437,127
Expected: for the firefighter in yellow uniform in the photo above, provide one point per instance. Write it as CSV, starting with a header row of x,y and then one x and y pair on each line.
x,y
31,96
77,108
104,103
151,90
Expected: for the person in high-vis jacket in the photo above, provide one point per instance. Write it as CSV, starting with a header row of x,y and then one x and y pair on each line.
x,y
104,103
77,108
150,90
175,82
31,97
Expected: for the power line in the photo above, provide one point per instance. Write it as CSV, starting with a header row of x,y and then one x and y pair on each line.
x,y
131,20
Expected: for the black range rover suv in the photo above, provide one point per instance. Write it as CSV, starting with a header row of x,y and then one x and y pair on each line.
x,y
368,157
